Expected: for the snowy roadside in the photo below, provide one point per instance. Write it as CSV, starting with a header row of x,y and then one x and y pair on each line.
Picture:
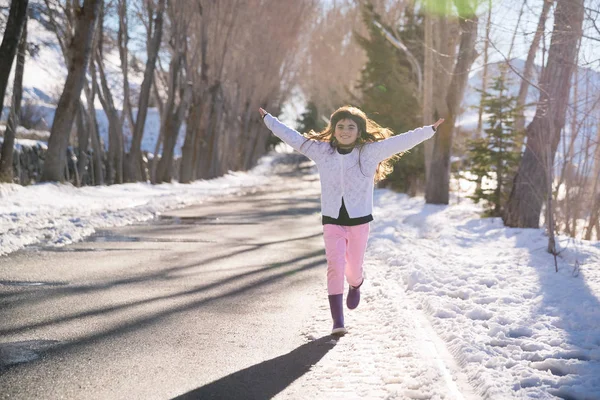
x,y
515,328
60,214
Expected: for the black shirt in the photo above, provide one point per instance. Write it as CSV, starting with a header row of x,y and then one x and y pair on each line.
x,y
343,217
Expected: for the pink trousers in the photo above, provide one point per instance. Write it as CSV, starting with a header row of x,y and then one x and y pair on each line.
x,y
345,248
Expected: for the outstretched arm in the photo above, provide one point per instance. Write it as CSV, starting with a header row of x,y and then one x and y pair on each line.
x,y
403,142
290,136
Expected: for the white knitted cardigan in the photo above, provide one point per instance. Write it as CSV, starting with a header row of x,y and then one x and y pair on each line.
x,y
340,174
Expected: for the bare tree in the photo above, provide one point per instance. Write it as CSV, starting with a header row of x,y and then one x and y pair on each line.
x,y
594,216
527,72
438,181
236,71
428,73
178,91
89,130
6,154
198,105
78,53
14,26
123,43
330,37
226,19
275,74
133,164
574,193
484,74
114,165
532,182
445,31
91,127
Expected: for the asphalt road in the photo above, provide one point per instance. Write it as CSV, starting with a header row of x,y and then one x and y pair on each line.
x,y
205,302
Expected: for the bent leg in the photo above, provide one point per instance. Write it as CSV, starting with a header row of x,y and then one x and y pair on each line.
x,y
355,253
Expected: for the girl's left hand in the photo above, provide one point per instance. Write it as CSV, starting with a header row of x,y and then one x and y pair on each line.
x,y
438,123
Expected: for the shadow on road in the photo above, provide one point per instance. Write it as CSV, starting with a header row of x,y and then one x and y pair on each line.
x,y
274,271
265,380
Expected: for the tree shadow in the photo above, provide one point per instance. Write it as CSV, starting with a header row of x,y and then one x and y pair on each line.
x,y
569,310
61,348
266,379
37,294
313,259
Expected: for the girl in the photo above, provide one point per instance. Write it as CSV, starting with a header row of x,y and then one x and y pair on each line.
x,y
351,154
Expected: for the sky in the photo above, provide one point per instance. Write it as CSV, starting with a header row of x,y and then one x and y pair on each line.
x,y
506,15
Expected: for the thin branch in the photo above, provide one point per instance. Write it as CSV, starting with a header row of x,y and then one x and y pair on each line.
x,y
411,58
515,71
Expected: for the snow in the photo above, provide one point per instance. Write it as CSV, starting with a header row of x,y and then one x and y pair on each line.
x,y
454,306
52,214
22,131
515,328
19,143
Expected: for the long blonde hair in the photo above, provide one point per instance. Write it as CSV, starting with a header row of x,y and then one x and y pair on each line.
x,y
369,132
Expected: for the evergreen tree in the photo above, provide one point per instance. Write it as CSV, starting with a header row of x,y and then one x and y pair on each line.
x,y
310,119
493,159
389,87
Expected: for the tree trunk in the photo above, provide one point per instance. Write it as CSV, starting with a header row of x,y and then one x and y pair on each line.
x,y
201,145
484,73
438,182
89,88
594,214
114,173
98,153
134,159
216,135
530,183
186,171
568,163
123,40
595,194
523,89
165,171
259,144
446,32
17,17
78,59
245,136
114,159
250,139
428,83
83,139
209,133
6,155
170,123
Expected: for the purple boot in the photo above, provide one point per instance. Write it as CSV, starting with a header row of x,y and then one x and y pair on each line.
x,y
336,304
353,297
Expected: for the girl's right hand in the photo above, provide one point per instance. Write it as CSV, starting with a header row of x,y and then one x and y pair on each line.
x,y
262,112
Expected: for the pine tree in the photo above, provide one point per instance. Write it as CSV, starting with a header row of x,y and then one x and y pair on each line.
x,y
388,87
493,159
310,119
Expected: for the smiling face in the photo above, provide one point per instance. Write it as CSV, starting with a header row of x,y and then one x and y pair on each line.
x,y
346,132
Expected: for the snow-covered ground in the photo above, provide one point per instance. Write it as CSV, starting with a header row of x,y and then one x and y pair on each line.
x,y
454,306
516,328
51,214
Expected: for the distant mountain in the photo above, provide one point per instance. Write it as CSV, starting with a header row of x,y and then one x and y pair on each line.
x,y
589,85
589,80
